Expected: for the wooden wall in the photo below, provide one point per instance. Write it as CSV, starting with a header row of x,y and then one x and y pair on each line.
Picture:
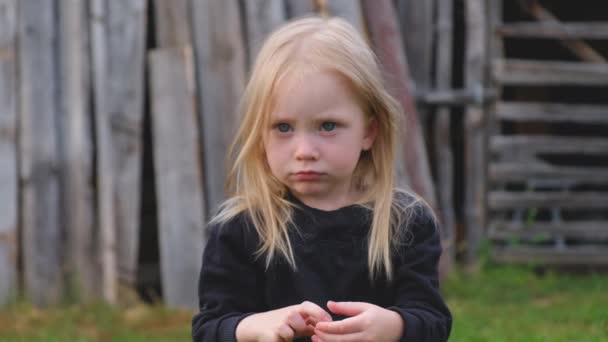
x,y
78,80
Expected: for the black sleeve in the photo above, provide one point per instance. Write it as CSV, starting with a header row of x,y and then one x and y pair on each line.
x,y
229,285
418,301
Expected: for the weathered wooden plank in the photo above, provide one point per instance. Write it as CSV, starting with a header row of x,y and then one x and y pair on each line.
x,y
8,151
557,30
106,219
172,25
504,172
126,44
412,162
82,265
578,47
506,230
547,199
529,72
551,112
220,60
576,256
178,174
496,50
524,145
474,122
41,220
349,10
298,8
261,18
442,135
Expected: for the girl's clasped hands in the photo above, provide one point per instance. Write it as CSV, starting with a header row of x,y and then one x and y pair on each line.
x,y
365,322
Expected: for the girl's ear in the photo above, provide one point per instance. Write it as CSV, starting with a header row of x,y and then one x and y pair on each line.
x,y
371,131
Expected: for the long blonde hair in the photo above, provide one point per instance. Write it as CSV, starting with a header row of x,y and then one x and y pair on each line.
x,y
329,44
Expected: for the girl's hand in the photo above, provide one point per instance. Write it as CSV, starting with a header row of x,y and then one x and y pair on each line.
x,y
282,324
368,322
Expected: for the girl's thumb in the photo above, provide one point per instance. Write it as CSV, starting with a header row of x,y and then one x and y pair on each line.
x,y
347,308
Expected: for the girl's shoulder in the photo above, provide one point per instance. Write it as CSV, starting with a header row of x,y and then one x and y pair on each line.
x,y
236,227
414,215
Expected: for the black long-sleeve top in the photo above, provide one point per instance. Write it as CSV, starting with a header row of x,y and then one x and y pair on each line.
x,y
330,249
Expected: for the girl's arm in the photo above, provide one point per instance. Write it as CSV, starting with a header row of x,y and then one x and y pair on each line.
x,y
230,287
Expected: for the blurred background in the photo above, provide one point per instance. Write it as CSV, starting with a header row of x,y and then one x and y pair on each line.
x,y
115,118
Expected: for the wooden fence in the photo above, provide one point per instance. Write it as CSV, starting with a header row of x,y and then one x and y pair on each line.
x,y
79,79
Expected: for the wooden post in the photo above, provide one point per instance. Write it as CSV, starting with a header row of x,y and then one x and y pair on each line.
x,y
349,10
177,156
126,43
384,32
220,61
8,149
475,135
443,145
261,18
81,262
105,169
42,243
178,177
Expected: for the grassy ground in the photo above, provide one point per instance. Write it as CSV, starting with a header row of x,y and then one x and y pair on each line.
x,y
499,304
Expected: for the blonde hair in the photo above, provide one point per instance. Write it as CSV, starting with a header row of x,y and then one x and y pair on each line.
x,y
327,44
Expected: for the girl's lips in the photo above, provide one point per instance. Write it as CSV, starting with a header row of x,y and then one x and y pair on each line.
x,y
307,175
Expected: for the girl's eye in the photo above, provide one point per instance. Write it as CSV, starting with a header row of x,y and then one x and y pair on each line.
x,y
283,127
328,126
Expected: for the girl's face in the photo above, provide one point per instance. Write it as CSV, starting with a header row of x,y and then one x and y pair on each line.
x,y
315,137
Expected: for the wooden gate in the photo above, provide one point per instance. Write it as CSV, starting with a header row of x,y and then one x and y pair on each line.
x,y
546,193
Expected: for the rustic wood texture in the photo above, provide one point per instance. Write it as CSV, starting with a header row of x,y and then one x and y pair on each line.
x,y
522,171
39,153
172,23
556,30
532,72
126,43
298,8
575,256
548,199
77,145
587,230
220,61
261,18
348,10
528,145
578,47
106,218
442,135
551,112
178,175
474,122
8,151
413,167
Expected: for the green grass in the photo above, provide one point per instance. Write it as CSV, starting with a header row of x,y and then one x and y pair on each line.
x,y
501,303
508,303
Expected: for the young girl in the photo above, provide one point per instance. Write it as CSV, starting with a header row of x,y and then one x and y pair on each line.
x,y
315,243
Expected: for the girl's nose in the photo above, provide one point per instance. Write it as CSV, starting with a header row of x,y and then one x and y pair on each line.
x,y
306,149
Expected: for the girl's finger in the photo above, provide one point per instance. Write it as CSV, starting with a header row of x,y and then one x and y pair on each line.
x,y
296,322
311,309
286,333
348,308
324,337
346,326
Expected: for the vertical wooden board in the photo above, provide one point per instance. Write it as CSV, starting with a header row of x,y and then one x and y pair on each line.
x,y
220,61
42,243
495,52
81,252
412,164
126,43
8,149
106,218
349,10
298,8
475,139
262,16
172,22
178,175
442,134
